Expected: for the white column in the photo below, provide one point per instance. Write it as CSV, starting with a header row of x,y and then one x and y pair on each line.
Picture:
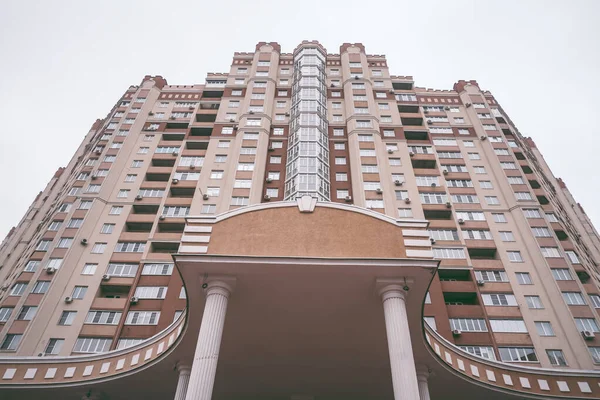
x,y
182,382
423,375
404,375
204,368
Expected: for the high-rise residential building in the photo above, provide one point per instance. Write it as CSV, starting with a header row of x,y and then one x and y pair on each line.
x,y
303,226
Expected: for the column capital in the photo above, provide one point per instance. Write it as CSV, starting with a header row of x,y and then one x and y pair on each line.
x,y
390,288
223,285
184,369
423,372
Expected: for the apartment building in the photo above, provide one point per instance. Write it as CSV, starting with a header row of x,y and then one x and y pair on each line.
x,y
261,220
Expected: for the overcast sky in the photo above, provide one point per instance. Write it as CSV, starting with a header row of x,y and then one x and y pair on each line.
x,y
65,63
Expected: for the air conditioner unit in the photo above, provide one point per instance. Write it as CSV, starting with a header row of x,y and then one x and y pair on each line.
x,y
205,196
269,180
192,166
432,240
448,205
379,191
133,300
106,277
50,270
93,177
425,111
287,114
332,85
429,121
480,282
587,335
411,153
150,113
447,108
433,185
407,200
267,197
162,218
172,117
461,221
175,181
445,172
483,137
190,107
175,153
390,151
271,148
231,120
398,182
84,242
68,299
98,151
391,91
468,105
139,197
251,112
456,332
348,198
356,77
235,127
5,286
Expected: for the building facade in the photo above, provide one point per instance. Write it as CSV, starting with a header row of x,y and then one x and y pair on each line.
x,y
304,156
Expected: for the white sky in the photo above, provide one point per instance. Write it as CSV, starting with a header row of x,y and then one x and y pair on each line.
x,y
65,63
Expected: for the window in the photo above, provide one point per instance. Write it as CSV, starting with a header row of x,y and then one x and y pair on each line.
x,y
476,234
574,298
341,177
273,175
54,226
130,178
470,215
208,209
550,252
486,185
245,167
272,192
374,203
275,159
43,245
18,289
508,326
474,156
507,236
405,213
532,213
491,276
431,322
459,120
534,302
340,161
479,170
556,357
433,198
371,185
384,106
339,146
595,299
193,161
54,263
338,132
341,194
459,183
98,248
544,328
449,253
427,181
74,191
587,324
31,266
67,317
572,257
157,269
551,217
130,247
92,345
523,196
240,201
236,92
561,274
445,142
151,292
116,210
79,292
499,218
440,130
523,278
175,211
103,317
11,341
489,127
125,343
110,159
223,144
492,200
508,165
276,132
499,300
27,313
480,351
517,354
142,318
501,152
468,324
75,223
123,193
367,153
89,269
369,169
137,163
365,138
449,154
5,313
465,198
363,124
40,287
124,270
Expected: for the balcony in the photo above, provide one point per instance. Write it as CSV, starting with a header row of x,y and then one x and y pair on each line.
x,y
417,121
201,131
416,135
